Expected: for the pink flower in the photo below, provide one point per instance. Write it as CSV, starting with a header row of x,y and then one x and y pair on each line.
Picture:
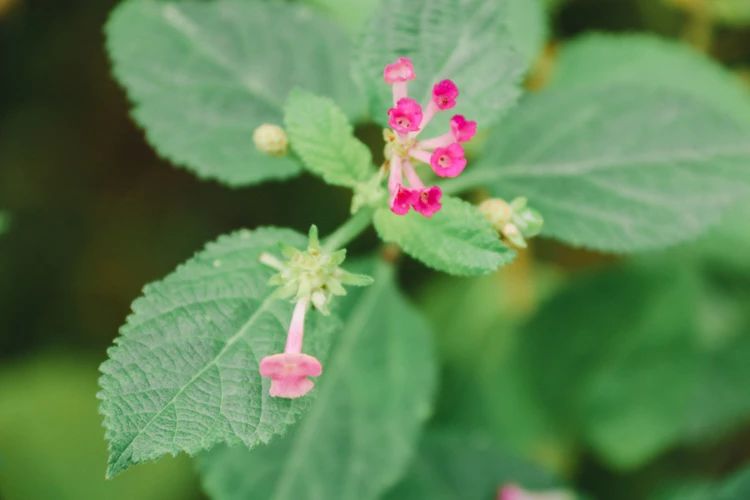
x,y
402,200
462,129
444,94
427,201
400,71
406,116
448,162
289,371
515,492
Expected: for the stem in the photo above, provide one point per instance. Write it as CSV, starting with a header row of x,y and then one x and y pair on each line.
x,y
349,230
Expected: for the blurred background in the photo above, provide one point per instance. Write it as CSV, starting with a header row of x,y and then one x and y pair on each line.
x,y
93,215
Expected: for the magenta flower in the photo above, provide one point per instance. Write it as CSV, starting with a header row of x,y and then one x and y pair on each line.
x,y
399,72
443,153
289,371
463,130
406,116
448,162
427,201
515,492
444,94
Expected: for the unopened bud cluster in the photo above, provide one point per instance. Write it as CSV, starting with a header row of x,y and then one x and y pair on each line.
x,y
515,221
312,274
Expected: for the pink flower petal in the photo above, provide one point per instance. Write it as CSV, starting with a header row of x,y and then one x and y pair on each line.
x,y
462,129
449,161
400,71
444,94
406,116
288,373
402,200
427,201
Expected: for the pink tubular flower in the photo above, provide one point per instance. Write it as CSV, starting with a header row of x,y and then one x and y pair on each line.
x,y
448,162
444,94
462,129
427,201
406,116
443,153
289,371
400,71
403,200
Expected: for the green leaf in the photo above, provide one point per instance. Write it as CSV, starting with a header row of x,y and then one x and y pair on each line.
x,y
597,59
4,222
639,359
457,240
731,12
617,166
464,40
527,22
351,15
203,75
737,487
51,441
728,244
183,375
456,465
323,138
362,428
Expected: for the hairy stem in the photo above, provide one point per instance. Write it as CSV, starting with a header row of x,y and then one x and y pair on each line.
x,y
349,230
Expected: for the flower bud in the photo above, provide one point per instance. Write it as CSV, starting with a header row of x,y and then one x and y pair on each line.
x,y
497,212
271,140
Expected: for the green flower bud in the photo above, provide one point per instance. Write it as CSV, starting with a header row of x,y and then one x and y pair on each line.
x,y
271,140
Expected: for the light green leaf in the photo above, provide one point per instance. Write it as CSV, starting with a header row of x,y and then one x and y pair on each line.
x,y
51,442
323,138
455,465
527,22
728,244
457,240
464,40
597,59
362,428
618,167
737,487
350,14
203,75
639,359
183,375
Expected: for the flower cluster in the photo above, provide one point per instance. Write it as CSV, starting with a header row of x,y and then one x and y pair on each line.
x,y
309,277
444,154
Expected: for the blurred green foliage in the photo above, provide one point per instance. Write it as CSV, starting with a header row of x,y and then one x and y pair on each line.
x,y
628,379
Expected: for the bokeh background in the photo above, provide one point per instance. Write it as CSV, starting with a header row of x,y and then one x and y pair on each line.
x,y
94,215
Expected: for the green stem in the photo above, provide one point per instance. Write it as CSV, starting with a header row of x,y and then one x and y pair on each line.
x,y
349,230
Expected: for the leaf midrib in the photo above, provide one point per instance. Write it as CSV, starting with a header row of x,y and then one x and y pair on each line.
x,y
231,341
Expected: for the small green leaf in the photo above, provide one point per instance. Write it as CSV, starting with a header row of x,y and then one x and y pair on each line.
x,y
737,487
362,428
323,138
464,40
463,466
203,76
183,375
457,240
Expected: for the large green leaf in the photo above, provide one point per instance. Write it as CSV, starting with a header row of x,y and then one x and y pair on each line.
x,y
322,136
183,375
644,357
350,14
362,429
50,438
203,75
457,240
465,40
593,60
618,166
527,22
457,465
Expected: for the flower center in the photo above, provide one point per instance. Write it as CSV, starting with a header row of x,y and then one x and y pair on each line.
x,y
444,161
403,122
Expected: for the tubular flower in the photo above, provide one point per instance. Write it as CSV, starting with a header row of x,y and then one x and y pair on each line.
x,y
310,278
407,119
